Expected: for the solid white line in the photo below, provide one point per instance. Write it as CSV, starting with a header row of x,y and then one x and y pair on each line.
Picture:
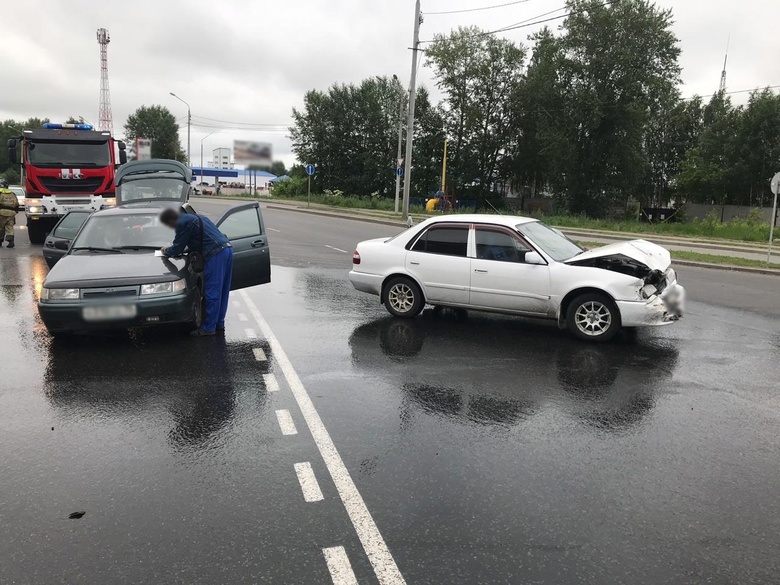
x,y
286,422
337,249
270,382
339,566
259,354
309,486
242,317
386,570
274,230
250,333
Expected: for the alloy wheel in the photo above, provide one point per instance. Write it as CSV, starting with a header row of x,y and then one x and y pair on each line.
x,y
401,297
593,318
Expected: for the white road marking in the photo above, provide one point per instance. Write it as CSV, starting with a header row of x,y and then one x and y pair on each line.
x,y
386,570
250,333
236,304
309,486
270,382
337,249
259,354
274,230
339,566
242,317
286,422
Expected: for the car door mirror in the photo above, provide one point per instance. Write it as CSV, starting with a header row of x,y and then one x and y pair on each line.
x,y
62,244
534,258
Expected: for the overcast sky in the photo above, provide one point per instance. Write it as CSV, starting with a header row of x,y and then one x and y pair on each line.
x,y
251,61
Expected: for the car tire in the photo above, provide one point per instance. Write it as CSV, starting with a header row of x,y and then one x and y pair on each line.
x,y
36,232
403,298
198,310
593,317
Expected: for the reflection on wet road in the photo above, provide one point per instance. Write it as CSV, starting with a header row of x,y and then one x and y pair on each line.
x,y
487,449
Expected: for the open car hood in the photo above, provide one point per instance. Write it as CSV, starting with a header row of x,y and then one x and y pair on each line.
x,y
643,252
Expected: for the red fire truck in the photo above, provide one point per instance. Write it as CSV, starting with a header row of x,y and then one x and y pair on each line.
x,y
65,167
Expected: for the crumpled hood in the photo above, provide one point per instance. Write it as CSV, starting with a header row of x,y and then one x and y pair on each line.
x,y
651,255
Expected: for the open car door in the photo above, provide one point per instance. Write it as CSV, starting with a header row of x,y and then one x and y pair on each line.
x,y
63,233
243,225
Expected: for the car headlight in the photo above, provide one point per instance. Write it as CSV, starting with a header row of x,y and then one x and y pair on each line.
x,y
59,294
33,209
109,201
163,287
32,201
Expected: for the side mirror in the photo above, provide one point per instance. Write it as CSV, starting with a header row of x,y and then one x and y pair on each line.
x,y
62,244
122,152
534,258
12,150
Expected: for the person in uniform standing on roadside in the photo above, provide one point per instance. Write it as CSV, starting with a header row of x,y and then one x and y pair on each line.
x,y
198,235
9,205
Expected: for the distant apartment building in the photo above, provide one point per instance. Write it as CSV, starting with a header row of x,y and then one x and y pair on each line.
x,y
221,158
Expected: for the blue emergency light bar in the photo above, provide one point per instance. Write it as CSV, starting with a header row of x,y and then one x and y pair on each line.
x,y
50,126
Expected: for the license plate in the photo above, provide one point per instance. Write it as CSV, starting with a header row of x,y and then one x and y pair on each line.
x,y
109,312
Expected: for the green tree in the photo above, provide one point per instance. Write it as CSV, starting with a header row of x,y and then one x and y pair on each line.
x,y
278,168
158,124
477,73
612,70
350,132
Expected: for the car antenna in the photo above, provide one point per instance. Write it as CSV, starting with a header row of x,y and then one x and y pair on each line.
x,y
494,207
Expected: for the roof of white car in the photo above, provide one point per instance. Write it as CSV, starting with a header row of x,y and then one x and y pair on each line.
x,y
506,220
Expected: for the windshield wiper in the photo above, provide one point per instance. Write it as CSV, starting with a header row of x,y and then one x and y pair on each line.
x,y
140,247
96,249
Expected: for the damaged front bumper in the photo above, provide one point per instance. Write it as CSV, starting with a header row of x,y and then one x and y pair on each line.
x,y
662,309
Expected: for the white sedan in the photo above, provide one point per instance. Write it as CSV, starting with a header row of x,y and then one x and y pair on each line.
x,y
518,265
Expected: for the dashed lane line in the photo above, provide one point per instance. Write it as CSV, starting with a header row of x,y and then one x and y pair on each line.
x,y
339,566
379,555
250,333
270,382
274,229
242,317
286,422
236,304
259,354
337,249
309,486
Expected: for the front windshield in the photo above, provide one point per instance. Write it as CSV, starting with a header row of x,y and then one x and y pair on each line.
x,y
553,243
124,232
151,188
69,154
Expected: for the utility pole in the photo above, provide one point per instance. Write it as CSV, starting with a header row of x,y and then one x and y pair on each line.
x,y
410,116
189,126
401,100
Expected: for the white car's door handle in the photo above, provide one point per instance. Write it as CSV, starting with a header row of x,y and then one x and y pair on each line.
x,y
414,263
482,271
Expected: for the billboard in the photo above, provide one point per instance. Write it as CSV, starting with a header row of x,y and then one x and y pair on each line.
x,y
248,153
143,149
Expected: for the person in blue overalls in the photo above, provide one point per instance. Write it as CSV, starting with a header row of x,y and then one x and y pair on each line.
x,y
218,267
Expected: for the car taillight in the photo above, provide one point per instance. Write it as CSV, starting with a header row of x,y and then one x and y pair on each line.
x,y
355,257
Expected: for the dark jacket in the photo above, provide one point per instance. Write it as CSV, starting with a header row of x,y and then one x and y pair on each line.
x,y
188,236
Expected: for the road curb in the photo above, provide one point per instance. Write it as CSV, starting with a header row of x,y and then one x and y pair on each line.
x,y
675,262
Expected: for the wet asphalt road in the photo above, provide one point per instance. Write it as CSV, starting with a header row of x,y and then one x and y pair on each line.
x,y
486,449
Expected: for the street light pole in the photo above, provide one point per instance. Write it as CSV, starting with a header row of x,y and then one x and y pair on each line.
x,y
189,126
410,113
201,152
401,100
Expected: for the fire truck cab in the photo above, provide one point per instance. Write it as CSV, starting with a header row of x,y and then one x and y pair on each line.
x,y
65,167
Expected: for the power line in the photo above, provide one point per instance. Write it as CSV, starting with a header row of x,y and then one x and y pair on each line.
x,y
533,20
238,123
477,9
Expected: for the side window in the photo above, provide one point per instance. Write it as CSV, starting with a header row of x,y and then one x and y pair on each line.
x,y
241,224
70,225
448,241
499,245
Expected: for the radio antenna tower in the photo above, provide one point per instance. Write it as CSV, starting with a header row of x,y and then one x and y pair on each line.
x,y
722,88
105,120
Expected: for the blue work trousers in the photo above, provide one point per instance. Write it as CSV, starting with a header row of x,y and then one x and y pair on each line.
x,y
217,274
